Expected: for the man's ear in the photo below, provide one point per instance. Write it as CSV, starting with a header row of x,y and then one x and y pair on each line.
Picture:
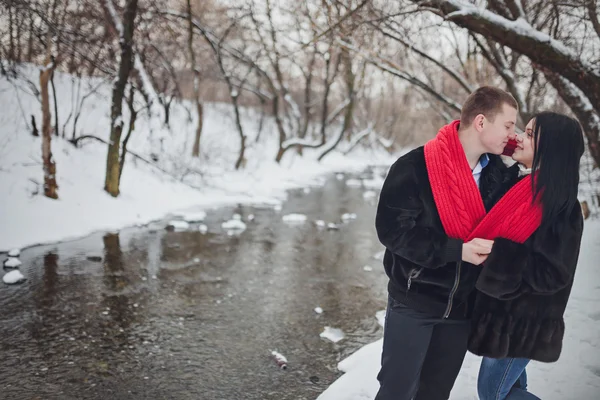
x,y
478,122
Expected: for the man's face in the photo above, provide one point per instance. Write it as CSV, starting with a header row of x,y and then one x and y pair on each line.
x,y
495,134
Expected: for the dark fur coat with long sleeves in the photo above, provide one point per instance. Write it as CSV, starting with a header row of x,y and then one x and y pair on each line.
x,y
522,292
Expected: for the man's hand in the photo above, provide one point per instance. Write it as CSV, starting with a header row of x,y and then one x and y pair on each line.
x,y
476,251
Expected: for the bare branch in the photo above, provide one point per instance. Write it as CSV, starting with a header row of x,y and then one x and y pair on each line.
x,y
453,73
392,68
593,14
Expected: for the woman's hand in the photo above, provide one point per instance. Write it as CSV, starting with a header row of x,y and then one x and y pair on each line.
x,y
477,250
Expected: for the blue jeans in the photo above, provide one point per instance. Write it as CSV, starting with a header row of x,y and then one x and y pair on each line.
x,y
503,379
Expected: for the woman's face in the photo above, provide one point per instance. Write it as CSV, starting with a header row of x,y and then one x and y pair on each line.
x,y
525,146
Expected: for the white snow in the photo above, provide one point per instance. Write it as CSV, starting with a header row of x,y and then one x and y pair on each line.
x,y
14,253
234,225
146,193
318,310
203,228
294,218
179,225
348,217
250,217
340,176
13,277
369,194
197,216
380,315
354,182
12,262
375,183
333,334
320,223
332,227
368,268
573,376
379,255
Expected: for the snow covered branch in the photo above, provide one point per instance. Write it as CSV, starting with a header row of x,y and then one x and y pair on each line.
x,y
116,20
301,142
359,137
337,111
519,35
582,108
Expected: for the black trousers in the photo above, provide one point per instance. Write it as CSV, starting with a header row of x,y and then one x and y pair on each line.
x,y
422,354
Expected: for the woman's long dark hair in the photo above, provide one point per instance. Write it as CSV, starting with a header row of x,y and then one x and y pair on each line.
x,y
558,147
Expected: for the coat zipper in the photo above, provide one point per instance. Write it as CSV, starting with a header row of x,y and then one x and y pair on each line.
x,y
414,273
453,291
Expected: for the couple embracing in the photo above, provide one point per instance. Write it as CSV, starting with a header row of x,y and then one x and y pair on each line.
x,y
480,255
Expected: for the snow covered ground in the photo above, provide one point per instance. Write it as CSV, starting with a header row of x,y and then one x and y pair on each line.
x,y
195,185
576,375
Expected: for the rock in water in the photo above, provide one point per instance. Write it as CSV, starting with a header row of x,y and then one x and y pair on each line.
x,y
177,225
12,262
13,277
332,227
14,253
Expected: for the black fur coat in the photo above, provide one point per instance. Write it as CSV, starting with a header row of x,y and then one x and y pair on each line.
x,y
522,293
424,264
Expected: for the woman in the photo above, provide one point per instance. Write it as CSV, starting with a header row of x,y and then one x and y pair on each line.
x,y
523,288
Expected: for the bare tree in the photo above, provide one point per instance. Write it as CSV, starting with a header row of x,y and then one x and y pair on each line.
x,y
50,186
196,72
126,30
350,80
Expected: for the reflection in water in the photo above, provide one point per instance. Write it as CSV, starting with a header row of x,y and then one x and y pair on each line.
x,y
115,280
186,315
48,294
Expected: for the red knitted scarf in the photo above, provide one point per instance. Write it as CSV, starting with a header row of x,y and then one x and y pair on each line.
x,y
459,202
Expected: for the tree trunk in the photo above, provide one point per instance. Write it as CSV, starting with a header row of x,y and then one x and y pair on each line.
x,y
11,40
132,119
56,133
280,129
307,98
30,38
111,183
238,122
19,24
349,114
261,121
50,186
199,110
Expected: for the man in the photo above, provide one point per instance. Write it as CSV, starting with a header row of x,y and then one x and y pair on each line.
x,y
431,273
